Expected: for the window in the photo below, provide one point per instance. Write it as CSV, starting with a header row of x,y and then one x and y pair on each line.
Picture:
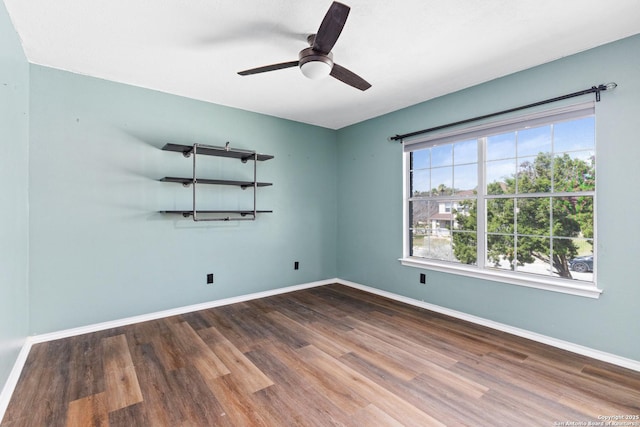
x,y
511,201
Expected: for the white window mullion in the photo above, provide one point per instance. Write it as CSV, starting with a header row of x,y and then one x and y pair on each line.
x,y
481,218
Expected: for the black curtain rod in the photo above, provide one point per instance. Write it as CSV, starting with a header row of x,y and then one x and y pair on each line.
x,y
593,89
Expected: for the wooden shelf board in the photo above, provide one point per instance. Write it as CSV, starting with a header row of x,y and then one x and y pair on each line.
x,y
218,152
190,212
185,181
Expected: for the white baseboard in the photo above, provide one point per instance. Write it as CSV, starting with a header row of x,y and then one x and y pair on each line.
x,y
12,381
554,342
14,376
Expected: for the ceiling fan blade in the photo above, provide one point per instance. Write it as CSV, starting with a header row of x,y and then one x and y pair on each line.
x,y
331,27
349,77
271,67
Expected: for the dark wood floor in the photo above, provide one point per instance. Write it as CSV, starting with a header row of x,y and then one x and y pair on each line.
x,y
325,356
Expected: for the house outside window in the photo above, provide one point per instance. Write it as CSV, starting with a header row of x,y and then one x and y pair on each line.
x,y
512,201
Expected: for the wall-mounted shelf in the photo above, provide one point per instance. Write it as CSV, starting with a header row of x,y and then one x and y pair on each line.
x,y
208,150
188,181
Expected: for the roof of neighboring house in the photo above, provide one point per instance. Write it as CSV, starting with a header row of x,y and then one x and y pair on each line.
x,y
440,216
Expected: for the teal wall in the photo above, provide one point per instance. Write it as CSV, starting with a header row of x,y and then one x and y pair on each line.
x,y
370,204
14,151
99,250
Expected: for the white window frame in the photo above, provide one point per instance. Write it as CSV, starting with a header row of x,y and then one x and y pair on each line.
x,y
573,287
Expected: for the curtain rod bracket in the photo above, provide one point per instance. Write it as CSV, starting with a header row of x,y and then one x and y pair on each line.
x,y
600,88
597,91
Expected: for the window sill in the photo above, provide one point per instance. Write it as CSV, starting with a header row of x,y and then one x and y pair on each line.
x,y
520,279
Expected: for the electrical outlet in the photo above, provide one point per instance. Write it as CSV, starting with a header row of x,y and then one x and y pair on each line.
x,y
209,278
296,265
423,278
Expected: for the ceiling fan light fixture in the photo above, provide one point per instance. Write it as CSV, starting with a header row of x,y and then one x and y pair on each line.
x,y
315,65
315,70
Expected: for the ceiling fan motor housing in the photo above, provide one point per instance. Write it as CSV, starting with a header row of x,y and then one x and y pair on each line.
x,y
314,64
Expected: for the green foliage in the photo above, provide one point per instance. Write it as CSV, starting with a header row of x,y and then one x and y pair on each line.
x,y
465,243
533,220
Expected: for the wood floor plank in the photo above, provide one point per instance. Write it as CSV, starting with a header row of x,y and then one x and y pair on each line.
x,y
121,380
365,347
449,402
573,381
266,328
44,397
426,334
588,407
233,325
372,393
29,387
390,403
162,404
133,415
393,338
249,377
122,388
349,401
324,356
238,406
391,344
505,388
281,404
200,355
144,332
169,352
311,406
346,300
431,396
88,411
313,313
194,399
623,376
86,373
159,334
313,307
323,342
371,415
196,320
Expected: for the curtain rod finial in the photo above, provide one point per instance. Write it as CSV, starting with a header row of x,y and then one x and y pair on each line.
x,y
611,85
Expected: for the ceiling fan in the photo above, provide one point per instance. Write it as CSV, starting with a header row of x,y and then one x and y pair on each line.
x,y
316,61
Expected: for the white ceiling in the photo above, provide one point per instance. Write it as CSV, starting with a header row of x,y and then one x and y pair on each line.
x,y
409,50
